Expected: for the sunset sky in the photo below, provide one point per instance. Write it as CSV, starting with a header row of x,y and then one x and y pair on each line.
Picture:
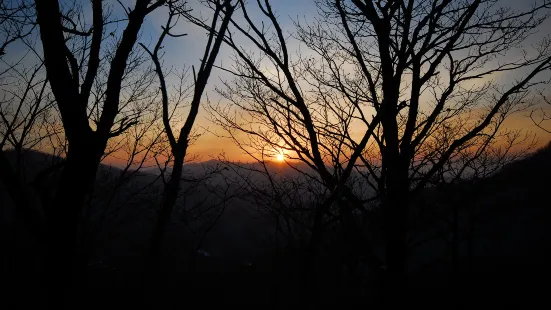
x,y
187,50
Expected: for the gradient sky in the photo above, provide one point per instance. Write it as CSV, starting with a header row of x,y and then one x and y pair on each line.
x,y
186,51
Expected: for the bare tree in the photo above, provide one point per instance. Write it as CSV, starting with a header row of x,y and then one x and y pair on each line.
x,y
400,91
25,106
423,50
179,144
66,63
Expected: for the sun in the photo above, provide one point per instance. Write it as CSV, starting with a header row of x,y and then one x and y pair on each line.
x,y
280,157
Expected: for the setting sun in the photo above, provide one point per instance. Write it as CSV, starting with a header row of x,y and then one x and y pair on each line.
x,y
280,157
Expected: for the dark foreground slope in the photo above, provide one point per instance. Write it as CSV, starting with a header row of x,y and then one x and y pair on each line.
x,y
474,245
486,243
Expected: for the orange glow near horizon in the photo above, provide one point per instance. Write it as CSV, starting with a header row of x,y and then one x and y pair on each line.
x,y
211,147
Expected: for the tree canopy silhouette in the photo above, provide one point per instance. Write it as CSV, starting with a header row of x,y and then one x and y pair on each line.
x,y
407,92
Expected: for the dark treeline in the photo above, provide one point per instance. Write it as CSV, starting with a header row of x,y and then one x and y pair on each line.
x,y
381,171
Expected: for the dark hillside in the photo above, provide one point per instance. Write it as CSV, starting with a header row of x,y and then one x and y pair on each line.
x,y
502,231
472,243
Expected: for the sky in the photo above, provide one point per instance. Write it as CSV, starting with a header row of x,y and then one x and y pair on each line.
x,y
187,51
184,51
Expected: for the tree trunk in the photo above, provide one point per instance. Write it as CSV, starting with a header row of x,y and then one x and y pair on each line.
x,y
309,260
170,196
395,218
34,216
351,235
64,214
455,242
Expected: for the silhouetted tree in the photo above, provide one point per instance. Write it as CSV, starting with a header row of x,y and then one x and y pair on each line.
x,y
399,90
179,144
25,106
86,142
